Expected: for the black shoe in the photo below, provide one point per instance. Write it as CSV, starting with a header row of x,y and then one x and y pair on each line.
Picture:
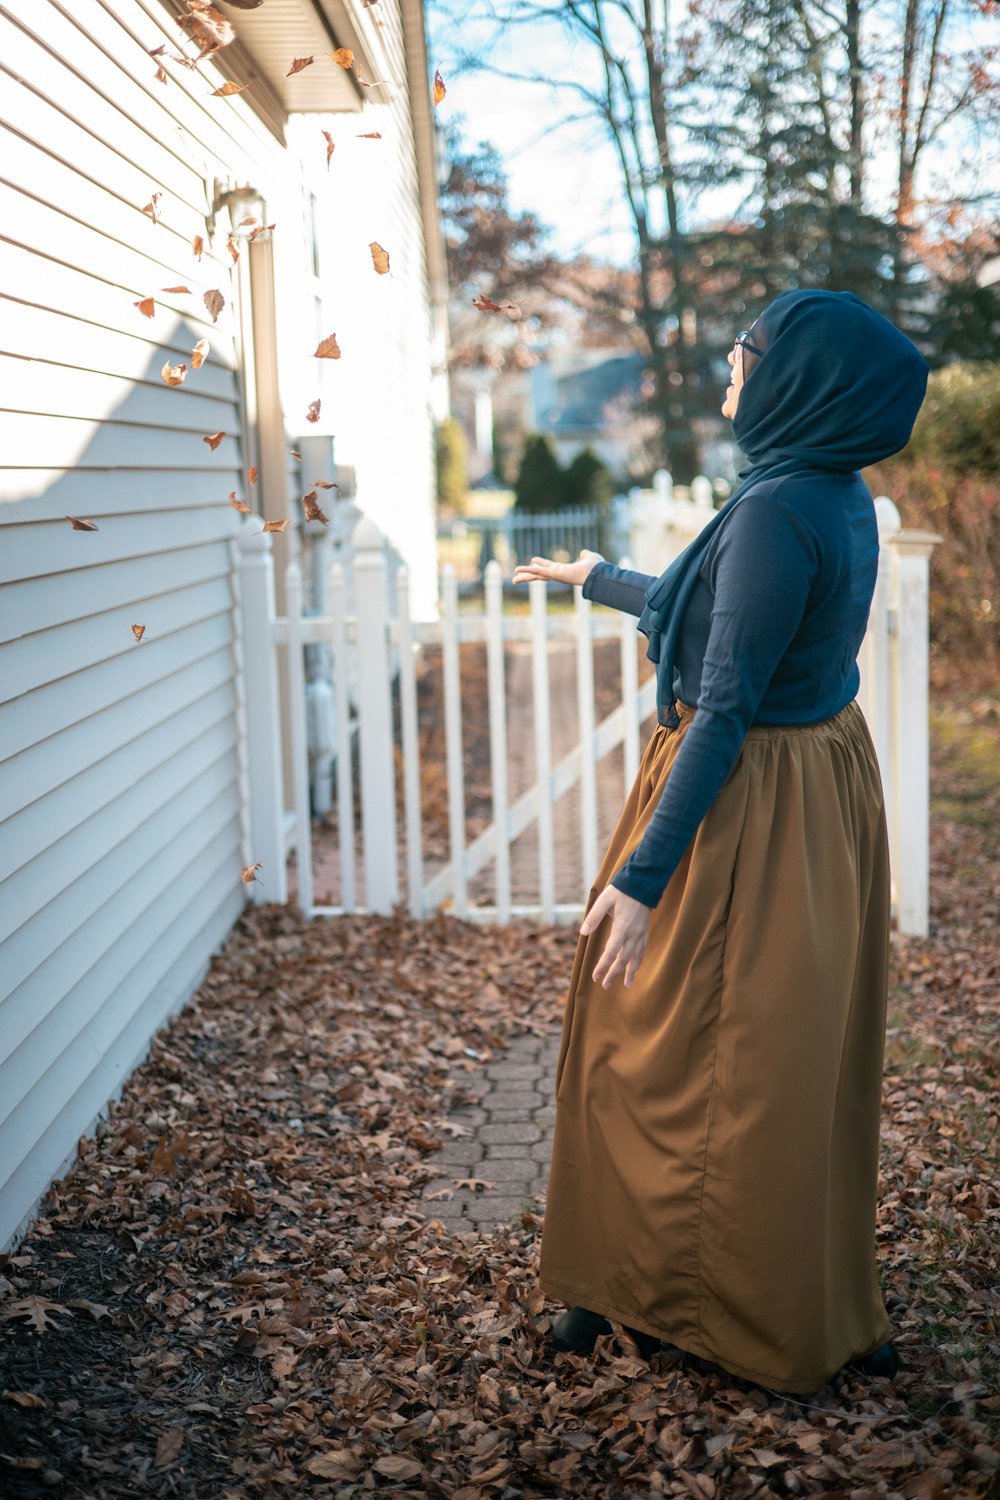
x,y
883,1361
577,1330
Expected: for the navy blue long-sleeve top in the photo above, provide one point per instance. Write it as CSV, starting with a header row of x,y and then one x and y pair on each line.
x,y
770,636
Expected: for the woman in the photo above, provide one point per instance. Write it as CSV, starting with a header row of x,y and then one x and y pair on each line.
x,y
715,1150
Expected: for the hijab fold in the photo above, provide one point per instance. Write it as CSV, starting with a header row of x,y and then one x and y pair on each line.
x,y
836,387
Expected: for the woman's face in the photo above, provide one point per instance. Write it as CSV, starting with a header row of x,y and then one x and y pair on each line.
x,y
735,357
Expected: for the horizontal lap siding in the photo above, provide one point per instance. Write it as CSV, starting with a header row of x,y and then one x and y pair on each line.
x,y
120,827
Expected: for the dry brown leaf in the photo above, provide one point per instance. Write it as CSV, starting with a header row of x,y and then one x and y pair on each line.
x,y
150,207
197,246
371,135
215,302
168,1447
233,247
158,51
239,505
160,76
252,474
275,525
328,348
214,440
38,1311
97,1310
324,484
296,455
138,631
339,1463
199,354
207,27
330,147
439,88
298,64
375,84
313,509
486,304
312,415
177,291
380,257
344,56
250,873
80,525
396,1466
146,306
475,1183
173,374
228,89
25,1399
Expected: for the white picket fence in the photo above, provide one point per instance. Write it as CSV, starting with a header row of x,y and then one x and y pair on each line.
x,y
894,698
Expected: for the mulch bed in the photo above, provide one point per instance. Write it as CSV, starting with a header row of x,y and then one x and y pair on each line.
x,y
236,1294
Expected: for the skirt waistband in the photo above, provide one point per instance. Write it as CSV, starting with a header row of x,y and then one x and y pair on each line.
x,y
833,725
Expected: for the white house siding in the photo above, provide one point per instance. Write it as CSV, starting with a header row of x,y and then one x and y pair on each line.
x,y
122,823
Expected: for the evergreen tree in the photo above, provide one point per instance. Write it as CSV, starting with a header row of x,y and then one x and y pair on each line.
x,y
540,480
587,481
452,464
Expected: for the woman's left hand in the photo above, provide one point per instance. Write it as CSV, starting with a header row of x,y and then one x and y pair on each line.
x,y
629,934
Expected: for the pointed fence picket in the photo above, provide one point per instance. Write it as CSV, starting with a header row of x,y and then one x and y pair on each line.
x,y
894,697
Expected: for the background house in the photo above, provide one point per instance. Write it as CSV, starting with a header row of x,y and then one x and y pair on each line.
x,y
127,175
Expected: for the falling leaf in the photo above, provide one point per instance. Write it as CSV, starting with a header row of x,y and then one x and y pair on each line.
x,y
439,88
176,291
38,1311
215,302
228,89
330,147
250,873
174,374
214,440
80,525
298,64
275,525
160,76
151,207
344,56
207,27
377,84
233,248
158,51
296,455
324,484
146,306
485,304
327,349
168,1447
252,474
312,415
259,230
239,505
371,135
197,246
380,257
138,631
313,510
199,354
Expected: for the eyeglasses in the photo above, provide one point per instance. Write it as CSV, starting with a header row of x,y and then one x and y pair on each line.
x,y
743,339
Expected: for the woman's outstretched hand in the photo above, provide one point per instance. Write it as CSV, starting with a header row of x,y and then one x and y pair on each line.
x,y
544,567
629,935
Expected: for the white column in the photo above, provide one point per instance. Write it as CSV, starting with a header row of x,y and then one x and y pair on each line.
x,y
342,702
297,736
498,732
378,778
453,736
411,745
262,715
585,718
543,746
913,551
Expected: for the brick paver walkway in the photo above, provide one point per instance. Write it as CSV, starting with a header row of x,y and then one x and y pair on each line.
x,y
509,1140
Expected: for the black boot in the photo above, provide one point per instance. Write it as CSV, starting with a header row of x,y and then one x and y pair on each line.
x,y
577,1330
882,1361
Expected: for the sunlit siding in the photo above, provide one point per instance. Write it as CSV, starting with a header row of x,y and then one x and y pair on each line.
x,y
121,836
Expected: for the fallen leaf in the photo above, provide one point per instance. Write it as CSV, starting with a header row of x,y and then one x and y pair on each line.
x,y
439,88
239,505
215,302
177,291
298,64
312,415
312,508
199,354
339,1463
146,306
80,525
252,474
25,1399
344,56
213,441
151,207
174,374
97,1310
168,1447
197,246
138,631
250,873
275,525
226,90
166,1153
38,1311
330,147
395,1466
328,348
475,1183
380,257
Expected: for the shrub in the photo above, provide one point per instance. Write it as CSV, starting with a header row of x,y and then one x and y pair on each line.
x,y
452,464
959,422
588,481
539,482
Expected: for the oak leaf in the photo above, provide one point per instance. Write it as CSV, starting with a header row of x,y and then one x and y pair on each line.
x,y
344,56
312,415
138,631
298,64
199,354
174,374
252,474
146,306
215,302
439,88
275,525
380,257
239,505
328,348
331,147
38,1311
150,207
486,304
227,89
313,509
214,440
80,525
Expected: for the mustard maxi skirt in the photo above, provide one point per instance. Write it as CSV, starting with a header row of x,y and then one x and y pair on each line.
x,y
715,1151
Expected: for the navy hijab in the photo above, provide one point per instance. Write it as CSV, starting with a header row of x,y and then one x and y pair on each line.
x,y
836,387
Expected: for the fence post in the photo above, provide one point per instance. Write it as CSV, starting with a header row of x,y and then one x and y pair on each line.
x,y
297,736
263,717
912,556
378,779
881,663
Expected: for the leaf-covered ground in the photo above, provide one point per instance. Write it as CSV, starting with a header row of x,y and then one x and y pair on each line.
x,y
235,1294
